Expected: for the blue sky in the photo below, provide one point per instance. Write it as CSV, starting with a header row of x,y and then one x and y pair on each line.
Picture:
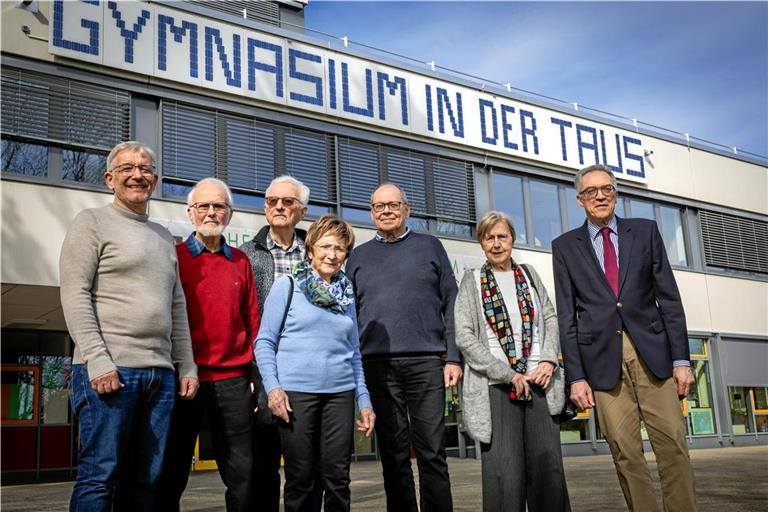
x,y
695,67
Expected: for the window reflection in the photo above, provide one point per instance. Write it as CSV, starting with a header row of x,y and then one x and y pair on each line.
x,y
672,233
545,207
84,167
508,198
641,209
25,158
699,402
575,212
741,420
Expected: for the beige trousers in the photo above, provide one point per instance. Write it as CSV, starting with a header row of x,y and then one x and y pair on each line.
x,y
639,395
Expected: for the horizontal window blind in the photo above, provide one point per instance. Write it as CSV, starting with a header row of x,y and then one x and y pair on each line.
x,y
453,181
358,171
257,10
734,242
189,139
63,111
409,172
308,158
245,153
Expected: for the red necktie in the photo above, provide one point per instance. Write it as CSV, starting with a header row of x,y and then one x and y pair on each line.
x,y
609,260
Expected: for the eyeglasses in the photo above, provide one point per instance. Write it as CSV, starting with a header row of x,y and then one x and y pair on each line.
x,y
591,192
329,249
205,207
127,169
288,202
392,205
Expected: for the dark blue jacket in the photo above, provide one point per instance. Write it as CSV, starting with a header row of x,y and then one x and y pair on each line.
x,y
591,317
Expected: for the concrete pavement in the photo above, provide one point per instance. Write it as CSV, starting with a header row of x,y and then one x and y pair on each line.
x,y
733,479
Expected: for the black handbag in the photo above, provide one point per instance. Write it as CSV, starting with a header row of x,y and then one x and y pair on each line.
x,y
571,410
263,416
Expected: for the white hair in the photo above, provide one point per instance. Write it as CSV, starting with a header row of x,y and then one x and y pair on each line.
x,y
211,181
302,188
133,146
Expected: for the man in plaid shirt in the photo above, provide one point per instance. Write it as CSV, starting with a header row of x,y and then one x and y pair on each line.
x,y
273,252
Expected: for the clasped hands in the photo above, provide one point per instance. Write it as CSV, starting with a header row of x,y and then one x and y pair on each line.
x,y
541,376
280,406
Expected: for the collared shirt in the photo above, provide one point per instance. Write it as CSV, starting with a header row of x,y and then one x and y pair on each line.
x,y
597,245
597,240
285,259
382,239
196,247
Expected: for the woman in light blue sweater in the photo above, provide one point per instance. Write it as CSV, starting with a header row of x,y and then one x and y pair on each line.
x,y
308,352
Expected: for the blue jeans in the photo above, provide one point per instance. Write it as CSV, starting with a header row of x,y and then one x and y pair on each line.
x,y
122,438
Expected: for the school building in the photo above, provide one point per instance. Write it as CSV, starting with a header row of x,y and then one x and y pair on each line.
x,y
241,91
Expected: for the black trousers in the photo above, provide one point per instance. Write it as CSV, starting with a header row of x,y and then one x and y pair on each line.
x,y
408,396
523,464
266,467
317,444
228,406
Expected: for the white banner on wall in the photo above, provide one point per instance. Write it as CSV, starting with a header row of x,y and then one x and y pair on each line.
x,y
163,42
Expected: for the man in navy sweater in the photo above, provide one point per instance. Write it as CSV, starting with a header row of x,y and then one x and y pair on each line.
x,y
405,291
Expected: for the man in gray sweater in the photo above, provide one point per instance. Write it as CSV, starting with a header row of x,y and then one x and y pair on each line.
x,y
126,313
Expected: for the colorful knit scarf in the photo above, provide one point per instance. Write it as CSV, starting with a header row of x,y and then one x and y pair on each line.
x,y
336,296
498,318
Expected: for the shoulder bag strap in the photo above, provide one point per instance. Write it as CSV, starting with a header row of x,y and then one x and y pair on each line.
x,y
285,314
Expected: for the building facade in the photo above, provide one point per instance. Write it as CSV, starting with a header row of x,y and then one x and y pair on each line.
x,y
237,91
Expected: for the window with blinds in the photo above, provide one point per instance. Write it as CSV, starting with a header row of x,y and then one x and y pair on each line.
x,y
245,153
43,113
734,242
437,188
257,10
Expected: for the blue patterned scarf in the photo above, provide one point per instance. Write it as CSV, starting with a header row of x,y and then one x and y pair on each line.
x,y
336,296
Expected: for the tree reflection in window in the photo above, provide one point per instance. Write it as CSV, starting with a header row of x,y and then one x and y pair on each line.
x,y
25,158
84,167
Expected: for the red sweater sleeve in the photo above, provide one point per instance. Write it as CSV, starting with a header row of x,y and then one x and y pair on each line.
x,y
250,305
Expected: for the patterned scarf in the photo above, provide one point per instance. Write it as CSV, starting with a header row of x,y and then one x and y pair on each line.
x,y
498,318
336,296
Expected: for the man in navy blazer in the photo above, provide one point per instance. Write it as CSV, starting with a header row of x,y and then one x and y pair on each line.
x,y
624,340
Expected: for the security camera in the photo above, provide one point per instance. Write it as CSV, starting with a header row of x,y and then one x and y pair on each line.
x,y
648,152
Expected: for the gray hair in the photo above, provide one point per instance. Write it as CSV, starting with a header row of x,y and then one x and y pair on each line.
x,y
302,188
398,187
489,220
211,181
592,168
133,146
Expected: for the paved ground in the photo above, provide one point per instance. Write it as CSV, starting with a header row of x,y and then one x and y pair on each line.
x,y
732,479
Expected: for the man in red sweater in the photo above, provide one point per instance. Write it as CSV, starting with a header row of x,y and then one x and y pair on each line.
x,y
223,313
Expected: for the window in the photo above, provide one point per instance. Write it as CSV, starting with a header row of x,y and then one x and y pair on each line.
x,y
672,233
258,10
440,190
670,222
25,158
508,198
84,166
77,121
734,242
245,153
699,405
741,415
545,213
641,209
574,211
